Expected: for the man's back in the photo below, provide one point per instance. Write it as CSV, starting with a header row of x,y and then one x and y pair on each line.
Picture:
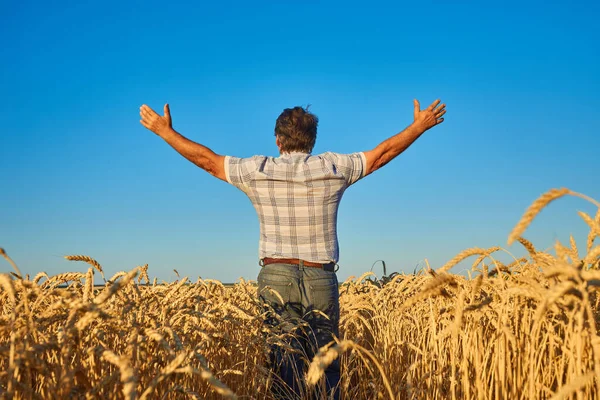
x,y
296,197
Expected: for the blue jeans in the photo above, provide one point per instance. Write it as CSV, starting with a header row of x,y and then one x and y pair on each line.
x,y
292,293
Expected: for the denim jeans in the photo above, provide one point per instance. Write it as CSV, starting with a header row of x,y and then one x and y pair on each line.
x,y
294,293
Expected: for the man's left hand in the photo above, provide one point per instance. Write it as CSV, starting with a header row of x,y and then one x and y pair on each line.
x,y
156,123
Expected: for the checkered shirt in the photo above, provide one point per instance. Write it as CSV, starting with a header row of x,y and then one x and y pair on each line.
x,y
296,197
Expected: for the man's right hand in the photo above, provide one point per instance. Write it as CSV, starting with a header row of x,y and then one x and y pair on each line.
x,y
389,149
429,117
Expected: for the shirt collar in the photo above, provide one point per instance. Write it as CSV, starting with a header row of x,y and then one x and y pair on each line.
x,y
294,153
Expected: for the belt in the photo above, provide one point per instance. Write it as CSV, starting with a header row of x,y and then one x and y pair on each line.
x,y
295,261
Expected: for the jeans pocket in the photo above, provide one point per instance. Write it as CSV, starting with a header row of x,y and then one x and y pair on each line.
x,y
274,289
325,296
325,310
275,292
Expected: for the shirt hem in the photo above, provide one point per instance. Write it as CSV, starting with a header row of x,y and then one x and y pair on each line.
x,y
227,176
305,259
364,164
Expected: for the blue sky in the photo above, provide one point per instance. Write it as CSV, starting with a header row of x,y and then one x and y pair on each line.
x,y
80,175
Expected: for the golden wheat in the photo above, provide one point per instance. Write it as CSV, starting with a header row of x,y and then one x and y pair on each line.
x,y
534,209
523,330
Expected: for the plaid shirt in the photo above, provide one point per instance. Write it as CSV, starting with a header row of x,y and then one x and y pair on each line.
x,y
296,197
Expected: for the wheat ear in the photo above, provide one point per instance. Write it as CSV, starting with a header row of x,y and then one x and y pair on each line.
x,y
465,254
534,209
88,260
3,254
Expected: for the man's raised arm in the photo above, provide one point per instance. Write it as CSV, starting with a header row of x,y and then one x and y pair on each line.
x,y
200,155
389,149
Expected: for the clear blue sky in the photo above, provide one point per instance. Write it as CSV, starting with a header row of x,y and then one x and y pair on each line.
x,y
80,175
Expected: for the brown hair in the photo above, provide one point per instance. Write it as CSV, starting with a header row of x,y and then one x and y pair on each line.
x,y
296,129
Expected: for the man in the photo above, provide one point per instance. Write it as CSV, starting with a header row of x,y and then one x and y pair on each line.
x,y
296,197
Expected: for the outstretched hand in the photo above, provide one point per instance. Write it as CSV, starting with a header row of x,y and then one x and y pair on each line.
x,y
431,116
156,123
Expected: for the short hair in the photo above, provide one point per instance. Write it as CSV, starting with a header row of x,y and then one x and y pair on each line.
x,y
296,129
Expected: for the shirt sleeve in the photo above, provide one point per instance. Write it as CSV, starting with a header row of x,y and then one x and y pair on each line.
x,y
241,171
351,166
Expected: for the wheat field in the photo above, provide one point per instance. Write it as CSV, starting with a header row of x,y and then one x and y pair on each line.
x,y
523,330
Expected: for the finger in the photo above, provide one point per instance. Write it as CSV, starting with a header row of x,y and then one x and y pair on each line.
x,y
148,109
167,111
439,121
438,115
144,109
434,104
145,123
440,107
148,114
417,107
